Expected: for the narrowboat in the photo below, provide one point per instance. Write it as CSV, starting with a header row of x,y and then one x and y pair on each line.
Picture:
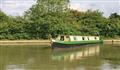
x,y
63,41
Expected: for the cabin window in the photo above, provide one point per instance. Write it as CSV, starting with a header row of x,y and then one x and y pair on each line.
x,y
95,38
67,36
62,38
88,38
83,38
75,38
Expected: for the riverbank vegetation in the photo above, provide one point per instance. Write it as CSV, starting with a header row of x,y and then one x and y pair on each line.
x,y
53,17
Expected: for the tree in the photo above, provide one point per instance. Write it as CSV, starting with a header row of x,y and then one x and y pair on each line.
x,y
4,25
47,17
114,21
114,15
87,23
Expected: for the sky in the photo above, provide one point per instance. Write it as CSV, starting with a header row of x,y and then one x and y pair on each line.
x,y
17,7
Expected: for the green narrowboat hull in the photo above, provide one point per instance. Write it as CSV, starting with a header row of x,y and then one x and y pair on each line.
x,y
74,43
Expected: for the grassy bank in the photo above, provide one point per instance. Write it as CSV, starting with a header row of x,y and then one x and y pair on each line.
x,y
24,42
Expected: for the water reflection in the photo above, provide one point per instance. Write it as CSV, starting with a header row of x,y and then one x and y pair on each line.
x,y
94,57
71,54
15,67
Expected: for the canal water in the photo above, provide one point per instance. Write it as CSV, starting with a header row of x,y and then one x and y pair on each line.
x,y
90,57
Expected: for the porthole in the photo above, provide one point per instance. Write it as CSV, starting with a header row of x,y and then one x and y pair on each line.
x,y
88,38
75,38
95,38
83,38
62,38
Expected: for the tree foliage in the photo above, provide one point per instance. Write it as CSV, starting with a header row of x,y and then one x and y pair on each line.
x,y
53,17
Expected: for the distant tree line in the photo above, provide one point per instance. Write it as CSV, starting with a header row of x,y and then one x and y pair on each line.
x,y
53,17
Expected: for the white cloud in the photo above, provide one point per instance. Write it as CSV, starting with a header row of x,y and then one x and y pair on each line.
x,y
106,6
16,7
75,6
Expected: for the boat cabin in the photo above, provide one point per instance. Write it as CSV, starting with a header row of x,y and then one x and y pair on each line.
x,y
76,38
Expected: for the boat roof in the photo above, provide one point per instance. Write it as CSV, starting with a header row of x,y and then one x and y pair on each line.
x,y
78,35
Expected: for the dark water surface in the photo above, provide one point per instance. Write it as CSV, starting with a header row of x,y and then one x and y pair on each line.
x,y
93,57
